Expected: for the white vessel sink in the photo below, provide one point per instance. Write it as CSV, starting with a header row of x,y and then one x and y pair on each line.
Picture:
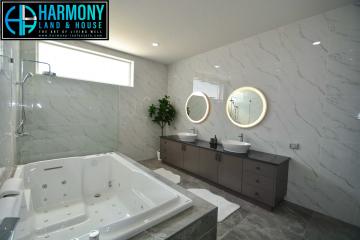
x,y
187,137
236,146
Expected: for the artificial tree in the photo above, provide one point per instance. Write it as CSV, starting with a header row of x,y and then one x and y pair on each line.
x,y
163,113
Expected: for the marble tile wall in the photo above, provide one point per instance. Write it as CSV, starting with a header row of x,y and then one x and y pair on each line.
x,y
8,76
67,117
138,135
314,99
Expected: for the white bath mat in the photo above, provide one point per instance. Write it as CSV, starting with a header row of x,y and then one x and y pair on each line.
x,y
225,208
168,175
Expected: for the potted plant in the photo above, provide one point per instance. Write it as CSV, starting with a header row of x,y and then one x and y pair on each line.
x,y
162,113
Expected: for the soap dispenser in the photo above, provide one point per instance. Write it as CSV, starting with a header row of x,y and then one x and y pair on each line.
x,y
213,142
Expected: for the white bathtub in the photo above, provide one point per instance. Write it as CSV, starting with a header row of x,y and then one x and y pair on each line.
x,y
67,198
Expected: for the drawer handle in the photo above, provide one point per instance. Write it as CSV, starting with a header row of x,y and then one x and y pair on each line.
x,y
257,168
257,181
256,194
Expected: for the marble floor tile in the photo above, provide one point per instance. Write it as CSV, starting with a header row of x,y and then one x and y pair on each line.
x,y
250,222
230,222
322,227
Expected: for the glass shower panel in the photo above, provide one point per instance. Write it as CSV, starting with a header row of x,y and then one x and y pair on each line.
x,y
7,107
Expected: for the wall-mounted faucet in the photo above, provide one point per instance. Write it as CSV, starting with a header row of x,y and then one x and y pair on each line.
x,y
94,235
193,130
241,136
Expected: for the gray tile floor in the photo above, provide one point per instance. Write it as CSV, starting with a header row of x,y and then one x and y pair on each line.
x,y
254,223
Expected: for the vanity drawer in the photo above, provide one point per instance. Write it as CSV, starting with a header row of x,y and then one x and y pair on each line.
x,y
259,181
262,195
263,169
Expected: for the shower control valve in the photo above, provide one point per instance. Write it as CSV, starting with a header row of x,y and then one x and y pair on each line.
x,y
294,146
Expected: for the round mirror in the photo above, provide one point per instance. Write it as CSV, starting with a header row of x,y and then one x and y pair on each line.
x,y
246,107
197,107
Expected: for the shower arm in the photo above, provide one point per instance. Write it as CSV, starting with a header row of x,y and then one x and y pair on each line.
x,y
35,61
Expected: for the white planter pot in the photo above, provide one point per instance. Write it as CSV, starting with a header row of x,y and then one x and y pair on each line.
x,y
158,155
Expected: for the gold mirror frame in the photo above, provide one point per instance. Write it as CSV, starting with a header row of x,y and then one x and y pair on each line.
x,y
262,115
203,95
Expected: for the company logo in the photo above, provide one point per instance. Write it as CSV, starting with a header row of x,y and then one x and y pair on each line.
x,y
62,20
17,21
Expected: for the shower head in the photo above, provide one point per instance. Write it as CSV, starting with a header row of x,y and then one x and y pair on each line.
x,y
27,76
48,73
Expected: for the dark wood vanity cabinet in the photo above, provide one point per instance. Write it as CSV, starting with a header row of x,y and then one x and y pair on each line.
x,y
259,181
208,164
230,172
190,158
259,176
172,153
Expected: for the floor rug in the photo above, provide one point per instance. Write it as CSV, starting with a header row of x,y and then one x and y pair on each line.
x,y
225,208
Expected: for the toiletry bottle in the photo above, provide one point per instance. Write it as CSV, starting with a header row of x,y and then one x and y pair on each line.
x,y
212,142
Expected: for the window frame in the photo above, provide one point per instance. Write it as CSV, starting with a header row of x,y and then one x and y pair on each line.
x,y
88,51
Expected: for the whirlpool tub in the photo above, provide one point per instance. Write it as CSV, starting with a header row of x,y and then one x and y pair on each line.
x,y
68,198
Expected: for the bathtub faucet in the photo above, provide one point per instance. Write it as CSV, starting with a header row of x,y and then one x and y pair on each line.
x,y
94,235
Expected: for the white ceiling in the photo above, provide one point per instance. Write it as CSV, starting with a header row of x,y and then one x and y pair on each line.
x,y
187,27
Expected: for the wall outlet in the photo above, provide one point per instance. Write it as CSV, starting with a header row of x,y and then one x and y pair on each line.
x,y
294,146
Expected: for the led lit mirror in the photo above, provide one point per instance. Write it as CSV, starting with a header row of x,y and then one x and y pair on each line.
x,y
246,107
197,107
